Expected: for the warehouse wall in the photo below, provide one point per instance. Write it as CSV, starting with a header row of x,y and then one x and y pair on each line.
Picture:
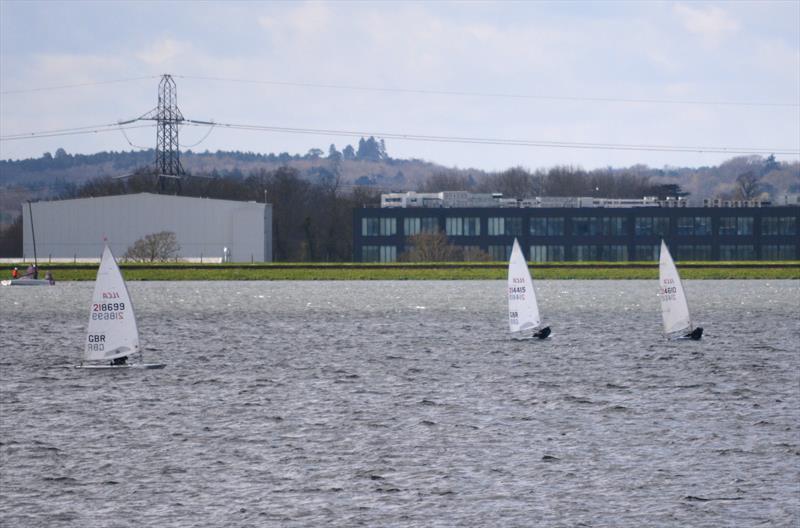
x,y
204,227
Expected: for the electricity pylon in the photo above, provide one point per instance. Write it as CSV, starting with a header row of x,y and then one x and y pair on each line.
x,y
168,118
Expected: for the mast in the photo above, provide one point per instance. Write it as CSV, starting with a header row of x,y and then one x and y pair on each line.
x,y
33,235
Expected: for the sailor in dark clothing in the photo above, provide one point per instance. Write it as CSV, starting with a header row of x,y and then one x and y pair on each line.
x,y
543,333
695,334
116,362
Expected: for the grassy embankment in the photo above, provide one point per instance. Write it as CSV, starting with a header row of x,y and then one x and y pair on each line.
x,y
428,271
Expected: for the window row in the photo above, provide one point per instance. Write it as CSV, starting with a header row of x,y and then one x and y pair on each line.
x,y
583,226
611,253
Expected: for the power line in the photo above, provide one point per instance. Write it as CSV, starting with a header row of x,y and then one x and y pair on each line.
x,y
71,131
412,137
505,142
543,97
77,85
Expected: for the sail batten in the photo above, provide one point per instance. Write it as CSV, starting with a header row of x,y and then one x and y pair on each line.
x,y
112,331
674,306
523,310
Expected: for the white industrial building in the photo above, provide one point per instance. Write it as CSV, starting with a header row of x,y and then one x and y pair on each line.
x,y
205,228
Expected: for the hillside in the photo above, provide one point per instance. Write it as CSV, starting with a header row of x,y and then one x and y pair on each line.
x,y
370,166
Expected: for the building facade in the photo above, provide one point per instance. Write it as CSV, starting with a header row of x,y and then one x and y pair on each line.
x,y
599,232
205,228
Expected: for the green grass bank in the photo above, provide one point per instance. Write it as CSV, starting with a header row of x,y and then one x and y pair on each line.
x,y
420,271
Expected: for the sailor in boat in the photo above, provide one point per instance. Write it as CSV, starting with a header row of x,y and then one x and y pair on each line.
x,y
543,333
116,362
695,334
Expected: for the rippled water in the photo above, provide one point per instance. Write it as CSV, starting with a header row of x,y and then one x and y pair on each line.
x,y
404,404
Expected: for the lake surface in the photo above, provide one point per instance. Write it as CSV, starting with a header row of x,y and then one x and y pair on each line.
x,y
404,404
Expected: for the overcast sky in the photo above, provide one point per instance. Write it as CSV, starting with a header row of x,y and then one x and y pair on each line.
x,y
677,74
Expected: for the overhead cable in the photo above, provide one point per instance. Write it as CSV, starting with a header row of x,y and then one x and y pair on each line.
x,y
76,85
544,97
507,142
71,132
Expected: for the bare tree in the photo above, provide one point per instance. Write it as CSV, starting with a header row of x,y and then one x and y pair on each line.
x,y
747,186
431,247
513,183
154,247
447,181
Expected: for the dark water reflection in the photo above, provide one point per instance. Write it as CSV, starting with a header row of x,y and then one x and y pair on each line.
x,y
404,404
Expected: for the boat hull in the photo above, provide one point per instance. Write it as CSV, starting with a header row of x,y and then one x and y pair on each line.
x,y
25,282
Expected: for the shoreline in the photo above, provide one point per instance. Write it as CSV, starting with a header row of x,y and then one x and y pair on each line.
x,y
176,271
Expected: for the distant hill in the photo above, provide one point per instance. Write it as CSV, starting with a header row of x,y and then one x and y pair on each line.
x,y
369,165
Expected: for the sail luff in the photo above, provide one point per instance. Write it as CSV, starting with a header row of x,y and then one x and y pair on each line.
x,y
523,310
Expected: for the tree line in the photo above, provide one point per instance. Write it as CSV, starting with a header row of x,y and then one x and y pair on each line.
x,y
312,212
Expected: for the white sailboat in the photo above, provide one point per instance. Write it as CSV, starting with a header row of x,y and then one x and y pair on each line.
x,y
523,311
112,337
674,307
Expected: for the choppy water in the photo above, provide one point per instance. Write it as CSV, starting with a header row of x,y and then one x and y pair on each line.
x,y
404,404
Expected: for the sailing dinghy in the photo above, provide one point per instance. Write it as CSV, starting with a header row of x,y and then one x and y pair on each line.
x,y
674,308
24,281
523,311
112,337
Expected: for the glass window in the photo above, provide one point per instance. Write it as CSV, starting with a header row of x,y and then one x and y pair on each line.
x,y
505,226
702,225
514,226
584,252
388,254
779,225
778,252
614,253
694,225
388,226
788,225
547,253
727,225
582,226
685,225
694,252
737,252
598,225
546,226
415,225
370,226
643,226
651,225
613,225
497,226
555,226
454,226
500,252
647,252
466,226
370,253
744,225
380,226
472,226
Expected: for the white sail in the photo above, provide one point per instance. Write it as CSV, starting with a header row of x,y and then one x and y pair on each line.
x,y
674,308
112,329
523,312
